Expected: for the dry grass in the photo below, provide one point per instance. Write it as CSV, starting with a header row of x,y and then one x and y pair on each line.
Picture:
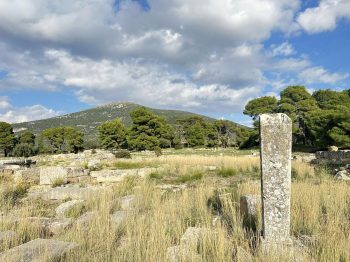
x,y
320,214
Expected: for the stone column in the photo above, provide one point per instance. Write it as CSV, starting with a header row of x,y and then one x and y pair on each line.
x,y
275,153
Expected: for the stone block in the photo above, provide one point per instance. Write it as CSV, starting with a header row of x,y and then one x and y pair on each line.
x,y
64,208
62,193
30,175
38,250
7,236
275,150
49,175
249,205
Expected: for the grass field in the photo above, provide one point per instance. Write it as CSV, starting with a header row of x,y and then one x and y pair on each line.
x,y
320,212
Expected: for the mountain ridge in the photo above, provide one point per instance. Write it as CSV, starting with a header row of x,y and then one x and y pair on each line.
x,y
88,120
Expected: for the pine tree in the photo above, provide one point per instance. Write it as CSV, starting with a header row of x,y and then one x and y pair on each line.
x,y
7,138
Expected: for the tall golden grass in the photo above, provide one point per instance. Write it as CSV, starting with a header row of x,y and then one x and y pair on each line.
x,y
320,215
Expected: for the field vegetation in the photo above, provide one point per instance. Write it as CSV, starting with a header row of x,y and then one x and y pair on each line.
x,y
209,198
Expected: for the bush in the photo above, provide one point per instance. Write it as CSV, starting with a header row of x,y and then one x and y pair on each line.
x,y
158,151
156,175
24,150
58,182
227,172
178,147
122,154
11,195
197,175
76,211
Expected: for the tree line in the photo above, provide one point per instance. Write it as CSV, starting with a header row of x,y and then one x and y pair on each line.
x,y
147,132
320,119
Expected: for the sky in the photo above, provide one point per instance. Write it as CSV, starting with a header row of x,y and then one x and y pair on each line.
x,y
209,57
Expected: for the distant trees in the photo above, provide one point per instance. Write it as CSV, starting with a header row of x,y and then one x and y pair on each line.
x,y
27,138
7,138
112,135
196,132
62,140
26,145
24,150
320,119
148,130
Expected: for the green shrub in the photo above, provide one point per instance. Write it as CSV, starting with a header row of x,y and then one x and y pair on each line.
x,y
11,195
58,182
178,147
24,150
122,154
227,172
158,151
76,211
197,175
156,175
128,165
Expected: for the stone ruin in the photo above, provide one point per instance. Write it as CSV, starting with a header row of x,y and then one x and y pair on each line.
x,y
276,150
275,200
339,157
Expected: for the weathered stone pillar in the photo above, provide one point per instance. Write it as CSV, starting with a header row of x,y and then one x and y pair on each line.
x,y
275,152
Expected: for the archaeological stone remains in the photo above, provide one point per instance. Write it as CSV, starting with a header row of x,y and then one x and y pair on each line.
x,y
275,150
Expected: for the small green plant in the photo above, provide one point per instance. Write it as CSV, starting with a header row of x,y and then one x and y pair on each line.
x,y
128,165
227,172
11,195
158,151
59,181
85,165
122,154
197,175
76,211
156,175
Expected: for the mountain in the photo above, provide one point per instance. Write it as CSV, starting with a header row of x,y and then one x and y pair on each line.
x,y
88,120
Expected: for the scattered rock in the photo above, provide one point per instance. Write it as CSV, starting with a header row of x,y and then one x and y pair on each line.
x,y
38,250
177,254
49,226
248,204
94,164
7,236
333,149
64,208
173,188
49,175
119,217
62,193
189,245
30,175
127,202
192,238
342,175
210,168
85,219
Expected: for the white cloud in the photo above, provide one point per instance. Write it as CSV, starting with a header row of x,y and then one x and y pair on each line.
x,y
150,84
4,103
320,75
324,17
284,49
11,114
180,53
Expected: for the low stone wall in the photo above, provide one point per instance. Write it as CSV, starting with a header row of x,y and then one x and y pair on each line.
x,y
338,157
